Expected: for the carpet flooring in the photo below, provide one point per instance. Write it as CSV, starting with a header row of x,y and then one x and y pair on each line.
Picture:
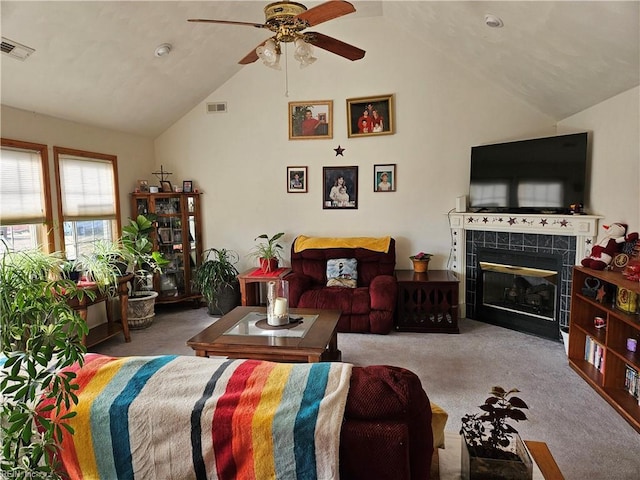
x,y
586,436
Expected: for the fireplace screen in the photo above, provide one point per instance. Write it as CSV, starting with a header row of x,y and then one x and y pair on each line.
x,y
527,291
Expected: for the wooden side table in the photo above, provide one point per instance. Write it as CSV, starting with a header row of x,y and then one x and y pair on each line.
x,y
427,302
250,283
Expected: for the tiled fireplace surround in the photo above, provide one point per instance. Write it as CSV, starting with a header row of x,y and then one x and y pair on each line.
x,y
566,235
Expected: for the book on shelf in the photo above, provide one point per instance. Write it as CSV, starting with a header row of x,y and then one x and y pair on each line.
x,y
594,353
632,382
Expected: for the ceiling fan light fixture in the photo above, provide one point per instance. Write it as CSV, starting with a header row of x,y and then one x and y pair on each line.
x,y
303,53
269,53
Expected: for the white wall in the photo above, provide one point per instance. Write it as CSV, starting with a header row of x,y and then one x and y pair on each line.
x,y
615,168
239,159
135,153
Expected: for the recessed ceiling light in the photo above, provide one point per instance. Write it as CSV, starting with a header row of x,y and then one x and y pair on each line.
x,y
493,21
163,50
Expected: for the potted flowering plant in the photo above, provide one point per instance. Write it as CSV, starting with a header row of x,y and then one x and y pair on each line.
x,y
491,447
420,261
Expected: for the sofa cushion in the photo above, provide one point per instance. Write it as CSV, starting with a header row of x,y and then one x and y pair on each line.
x,y
342,272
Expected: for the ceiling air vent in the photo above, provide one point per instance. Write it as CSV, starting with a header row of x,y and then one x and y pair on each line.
x,y
220,107
15,49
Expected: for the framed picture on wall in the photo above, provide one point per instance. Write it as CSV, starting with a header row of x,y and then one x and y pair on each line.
x,y
297,179
340,187
369,116
311,120
384,178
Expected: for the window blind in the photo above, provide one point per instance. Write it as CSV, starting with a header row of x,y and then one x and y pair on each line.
x,y
21,187
87,188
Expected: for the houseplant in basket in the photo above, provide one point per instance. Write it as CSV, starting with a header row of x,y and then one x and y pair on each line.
x,y
216,279
420,261
41,334
268,251
137,240
491,447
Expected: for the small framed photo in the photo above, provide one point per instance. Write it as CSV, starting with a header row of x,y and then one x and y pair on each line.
x,y
384,178
143,186
340,187
165,235
187,186
166,186
297,179
368,116
312,120
177,236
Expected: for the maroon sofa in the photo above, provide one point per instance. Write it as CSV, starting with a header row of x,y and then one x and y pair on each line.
x,y
368,308
387,431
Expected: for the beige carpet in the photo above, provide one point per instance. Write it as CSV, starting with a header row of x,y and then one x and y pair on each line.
x,y
588,439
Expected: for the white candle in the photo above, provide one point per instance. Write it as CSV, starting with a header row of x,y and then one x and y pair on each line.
x,y
280,307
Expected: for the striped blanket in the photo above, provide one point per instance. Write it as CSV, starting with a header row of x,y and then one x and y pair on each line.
x,y
179,417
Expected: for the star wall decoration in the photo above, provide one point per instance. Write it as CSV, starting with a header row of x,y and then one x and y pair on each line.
x,y
339,150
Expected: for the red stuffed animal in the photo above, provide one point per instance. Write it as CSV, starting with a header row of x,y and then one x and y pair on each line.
x,y
602,253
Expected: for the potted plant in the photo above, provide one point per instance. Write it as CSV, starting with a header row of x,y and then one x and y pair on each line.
x,y
216,279
491,447
268,252
145,261
101,265
41,334
420,261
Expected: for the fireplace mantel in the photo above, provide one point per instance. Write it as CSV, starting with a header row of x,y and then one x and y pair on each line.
x,y
583,227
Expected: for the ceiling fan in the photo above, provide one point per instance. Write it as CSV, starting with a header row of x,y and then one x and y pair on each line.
x,y
287,20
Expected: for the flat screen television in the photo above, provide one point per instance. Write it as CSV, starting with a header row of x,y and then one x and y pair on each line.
x,y
541,175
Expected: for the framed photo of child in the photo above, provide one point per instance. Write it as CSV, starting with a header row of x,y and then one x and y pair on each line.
x,y
384,178
297,179
368,116
340,187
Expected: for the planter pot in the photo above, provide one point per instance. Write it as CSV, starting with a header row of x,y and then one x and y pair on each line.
x,y
486,468
225,300
141,310
269,264
420,266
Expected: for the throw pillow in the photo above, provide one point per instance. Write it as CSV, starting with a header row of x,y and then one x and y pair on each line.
x,y
342,272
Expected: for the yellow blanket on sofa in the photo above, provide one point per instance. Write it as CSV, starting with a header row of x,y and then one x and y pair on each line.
x,y
376,244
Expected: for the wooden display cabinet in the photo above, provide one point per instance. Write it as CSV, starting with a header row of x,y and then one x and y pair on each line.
x,y
178,237
608,379
427,302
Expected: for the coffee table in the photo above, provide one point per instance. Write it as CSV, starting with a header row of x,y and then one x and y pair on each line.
x,y
234,336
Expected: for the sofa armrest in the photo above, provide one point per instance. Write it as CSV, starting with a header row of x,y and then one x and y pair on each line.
x,y
383,292
298,284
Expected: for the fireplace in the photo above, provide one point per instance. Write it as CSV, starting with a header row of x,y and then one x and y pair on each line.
x,y
516,243
519,290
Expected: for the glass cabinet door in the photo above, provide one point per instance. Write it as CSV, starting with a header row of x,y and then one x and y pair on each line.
x,y
171,282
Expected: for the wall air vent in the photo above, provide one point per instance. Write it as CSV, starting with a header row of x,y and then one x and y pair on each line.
x,y
219,107
15,49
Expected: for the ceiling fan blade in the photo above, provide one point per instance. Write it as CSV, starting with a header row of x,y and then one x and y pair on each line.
x,y
228,22
326,11
334,45
252,56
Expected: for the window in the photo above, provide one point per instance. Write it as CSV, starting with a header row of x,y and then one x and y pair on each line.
x,y
88,205
25,197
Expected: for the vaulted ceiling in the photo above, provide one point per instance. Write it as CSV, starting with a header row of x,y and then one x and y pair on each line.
x,y
94,61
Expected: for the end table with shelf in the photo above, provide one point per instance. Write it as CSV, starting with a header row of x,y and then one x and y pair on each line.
x,y
427,302
250,281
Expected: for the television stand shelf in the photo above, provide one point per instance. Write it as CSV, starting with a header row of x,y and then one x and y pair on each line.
x,y
607,377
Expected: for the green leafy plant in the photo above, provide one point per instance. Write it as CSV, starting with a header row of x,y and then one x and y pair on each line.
x,y
102,263
268,249
138,242
216,273
489,433
41,334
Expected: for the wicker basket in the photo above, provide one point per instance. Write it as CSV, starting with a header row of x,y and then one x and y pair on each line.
x,y
141,310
